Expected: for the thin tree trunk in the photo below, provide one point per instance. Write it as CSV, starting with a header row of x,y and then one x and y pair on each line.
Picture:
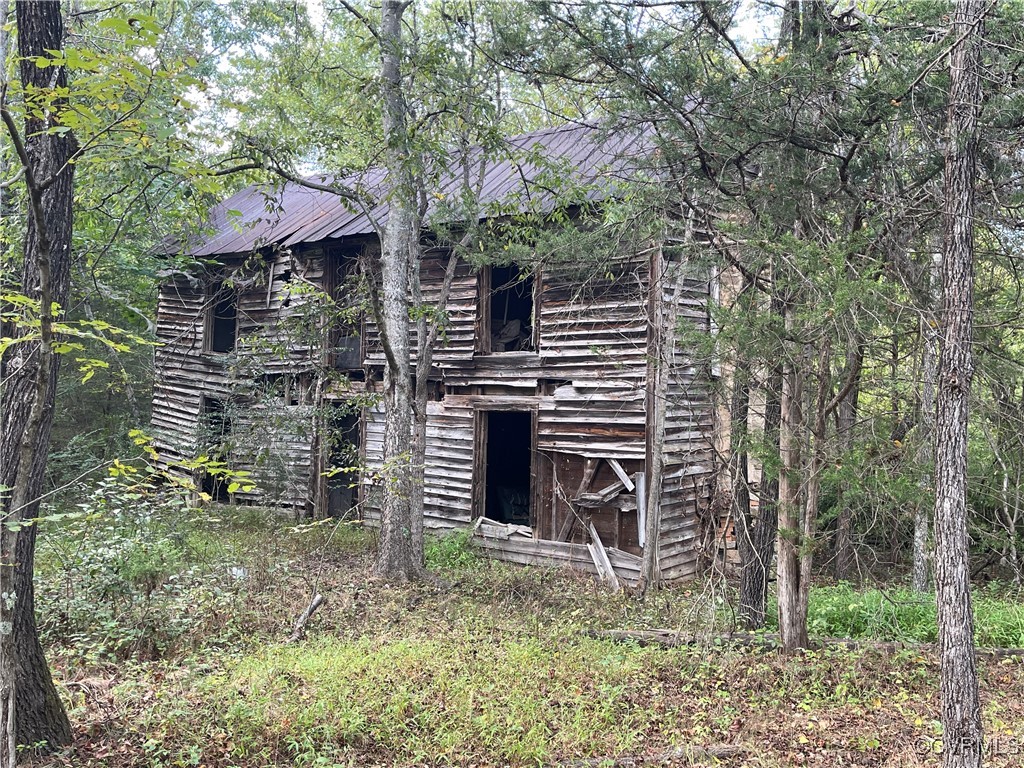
x,y
925,453
739,415
29,375
812,489
401,552
961,708
754,581
793,632
755,536
846,417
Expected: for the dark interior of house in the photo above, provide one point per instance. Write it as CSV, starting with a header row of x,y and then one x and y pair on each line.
x,y
509,453
225,320
511,309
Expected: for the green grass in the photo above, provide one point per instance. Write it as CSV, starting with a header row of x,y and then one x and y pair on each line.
x,y
899,614
490,666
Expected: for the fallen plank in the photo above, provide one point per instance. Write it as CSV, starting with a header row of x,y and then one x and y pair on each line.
x,y
621,474
601,561
602,496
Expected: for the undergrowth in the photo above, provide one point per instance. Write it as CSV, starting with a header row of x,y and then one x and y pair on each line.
x,y
900,614
134,572
167,626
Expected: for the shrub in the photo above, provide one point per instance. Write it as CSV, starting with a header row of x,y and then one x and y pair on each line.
x,y
118,578
453,551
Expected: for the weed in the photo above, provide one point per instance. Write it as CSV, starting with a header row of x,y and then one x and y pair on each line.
x,y
453,551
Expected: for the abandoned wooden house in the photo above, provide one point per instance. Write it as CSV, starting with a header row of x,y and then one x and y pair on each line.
x,y
548,398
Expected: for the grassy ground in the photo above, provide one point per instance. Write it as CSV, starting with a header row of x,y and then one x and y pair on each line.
x,y
169,646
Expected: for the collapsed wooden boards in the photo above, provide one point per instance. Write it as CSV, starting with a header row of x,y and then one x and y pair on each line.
x,y
543,552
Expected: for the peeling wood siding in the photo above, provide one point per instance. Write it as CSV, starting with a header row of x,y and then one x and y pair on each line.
x,y
455,345
449,473
268,315
275,443
597,330
586,420
373,451
448,493
186,373
689,417
181,371
595,336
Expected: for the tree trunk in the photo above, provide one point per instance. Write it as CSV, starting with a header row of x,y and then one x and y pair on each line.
x,y
401,551
846,417
755,535
29,376
812,491
961,709
739,414
765,528
792,630
925,450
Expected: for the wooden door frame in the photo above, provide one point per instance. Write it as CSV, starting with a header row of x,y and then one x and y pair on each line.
x,y
480,434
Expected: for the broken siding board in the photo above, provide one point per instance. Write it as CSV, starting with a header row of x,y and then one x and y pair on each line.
x,y
457,340
541,552
579,420
597,328
614,522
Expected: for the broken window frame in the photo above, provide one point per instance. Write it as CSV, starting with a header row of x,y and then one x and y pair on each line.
x,y
218,294
485,296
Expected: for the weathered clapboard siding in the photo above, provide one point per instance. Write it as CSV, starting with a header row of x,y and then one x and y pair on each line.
x,y
449,472
277,327
457,341
275,443
179,365
448,481
594,334
688,457
272,291
596,328
588,419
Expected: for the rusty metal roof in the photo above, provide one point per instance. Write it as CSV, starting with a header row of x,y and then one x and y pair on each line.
x,y
532,172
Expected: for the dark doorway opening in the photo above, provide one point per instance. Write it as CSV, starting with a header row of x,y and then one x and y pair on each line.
x,y
509,460
511,315
343,457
